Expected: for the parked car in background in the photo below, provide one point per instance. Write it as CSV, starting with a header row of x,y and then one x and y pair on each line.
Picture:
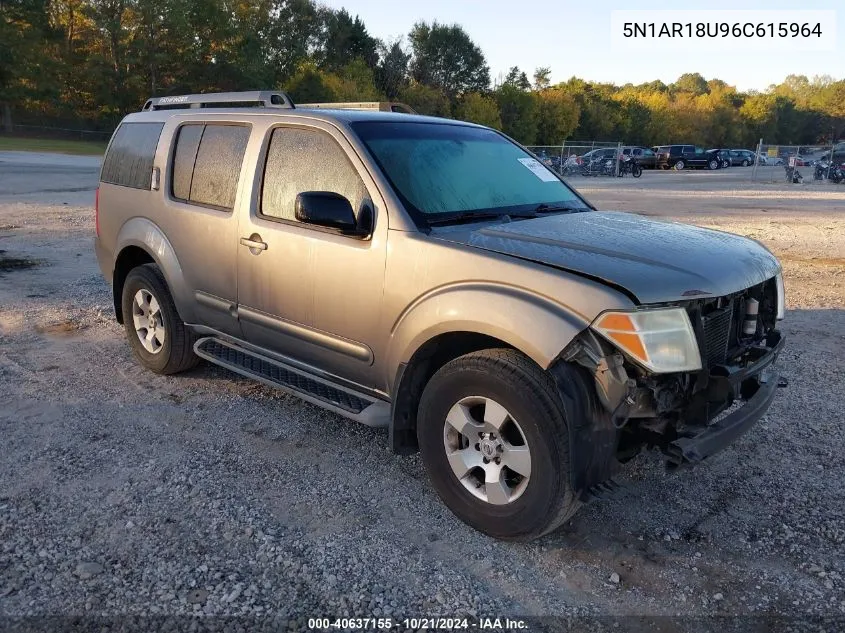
x,y
838,154
645,157
797,160
769,160
743,157
724,156
593,160
683,156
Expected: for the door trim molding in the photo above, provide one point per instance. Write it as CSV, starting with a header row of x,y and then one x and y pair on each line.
x,y
339,345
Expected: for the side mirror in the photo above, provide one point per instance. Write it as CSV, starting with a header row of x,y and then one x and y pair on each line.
x,y
329,209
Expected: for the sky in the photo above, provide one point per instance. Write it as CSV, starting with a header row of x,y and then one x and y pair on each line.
x,y
573,38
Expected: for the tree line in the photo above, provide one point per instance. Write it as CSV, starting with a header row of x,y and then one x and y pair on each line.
x,y
92,61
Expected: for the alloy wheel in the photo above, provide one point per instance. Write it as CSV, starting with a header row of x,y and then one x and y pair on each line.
x,y
487,450
148,320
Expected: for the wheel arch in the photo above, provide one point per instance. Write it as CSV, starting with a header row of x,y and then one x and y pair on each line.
x,y
423,340
140,242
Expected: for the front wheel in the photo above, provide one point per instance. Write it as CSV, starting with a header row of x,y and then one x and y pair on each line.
x,y
636,171
494,442
745,163
158,337
713,164
680,165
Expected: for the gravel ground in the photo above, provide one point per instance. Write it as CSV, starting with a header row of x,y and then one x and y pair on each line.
x,y
123,492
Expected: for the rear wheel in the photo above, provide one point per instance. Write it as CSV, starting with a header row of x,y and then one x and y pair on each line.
x,y
156,333
680,165
494,442
713,164
636,171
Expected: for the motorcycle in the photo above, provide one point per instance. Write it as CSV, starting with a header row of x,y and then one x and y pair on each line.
x,y
793,175
821,170
628,165
572,166
836,173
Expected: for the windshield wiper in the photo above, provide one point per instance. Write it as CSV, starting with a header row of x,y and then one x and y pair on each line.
x,y
547,208
467,216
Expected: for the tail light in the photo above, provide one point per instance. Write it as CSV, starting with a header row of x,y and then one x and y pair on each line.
x,y
97,211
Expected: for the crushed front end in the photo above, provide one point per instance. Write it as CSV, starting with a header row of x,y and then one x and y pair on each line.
x,y
688,377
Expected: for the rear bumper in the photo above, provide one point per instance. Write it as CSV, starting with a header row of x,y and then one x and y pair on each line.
x,y
756,385
104,259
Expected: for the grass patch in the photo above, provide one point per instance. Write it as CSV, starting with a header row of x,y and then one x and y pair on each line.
x,y
57,145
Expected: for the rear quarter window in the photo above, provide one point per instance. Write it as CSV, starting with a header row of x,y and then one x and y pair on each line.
x,y
129,159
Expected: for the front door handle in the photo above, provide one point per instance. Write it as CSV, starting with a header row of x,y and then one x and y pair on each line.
x,y
254,243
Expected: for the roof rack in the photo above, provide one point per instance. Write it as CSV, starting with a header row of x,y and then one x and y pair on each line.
x,y
251,99
376,106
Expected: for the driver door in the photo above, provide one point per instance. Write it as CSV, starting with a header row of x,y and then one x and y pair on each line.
x,y
310,292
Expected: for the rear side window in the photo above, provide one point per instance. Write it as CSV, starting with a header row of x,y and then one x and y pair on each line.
x,y
301,160
207,164
129,161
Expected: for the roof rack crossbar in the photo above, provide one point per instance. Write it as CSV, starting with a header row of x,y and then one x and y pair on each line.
x,y
261,98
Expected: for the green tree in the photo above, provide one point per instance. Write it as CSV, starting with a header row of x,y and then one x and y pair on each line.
x,y
27,43
517,79
392,71
518,112
345,38
542,78
426,99
445,57
478,108
557,116
309,84
691,82
354,82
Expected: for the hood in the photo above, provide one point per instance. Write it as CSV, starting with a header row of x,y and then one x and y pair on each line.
x,y
653,260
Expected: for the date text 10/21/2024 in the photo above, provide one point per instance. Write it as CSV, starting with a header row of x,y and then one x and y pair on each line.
x,y
416,624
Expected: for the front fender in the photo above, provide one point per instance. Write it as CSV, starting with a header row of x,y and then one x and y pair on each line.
x,y
147,235
537,326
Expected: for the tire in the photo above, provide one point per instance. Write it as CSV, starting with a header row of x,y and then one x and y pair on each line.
x,y
169,351
679,165
520,508
636,171
713,164
745,163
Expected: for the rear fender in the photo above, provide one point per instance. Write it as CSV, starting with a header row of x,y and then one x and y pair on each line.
x,y
146,235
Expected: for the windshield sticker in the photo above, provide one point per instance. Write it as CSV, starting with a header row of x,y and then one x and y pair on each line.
x,y
538,170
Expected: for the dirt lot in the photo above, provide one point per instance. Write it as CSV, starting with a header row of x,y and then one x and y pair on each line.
x,y
126,492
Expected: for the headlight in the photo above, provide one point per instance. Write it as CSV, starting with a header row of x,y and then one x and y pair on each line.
x,y
661,340
781,297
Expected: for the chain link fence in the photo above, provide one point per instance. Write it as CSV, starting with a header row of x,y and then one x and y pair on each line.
x,y
581,158
799,164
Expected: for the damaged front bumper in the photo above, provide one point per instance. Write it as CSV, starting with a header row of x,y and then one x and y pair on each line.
x,y
755,384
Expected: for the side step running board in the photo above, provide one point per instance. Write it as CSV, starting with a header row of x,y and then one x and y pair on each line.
x,y
274,373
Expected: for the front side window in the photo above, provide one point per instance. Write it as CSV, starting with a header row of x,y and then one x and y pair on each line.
x,y
300,160
439,168
207,164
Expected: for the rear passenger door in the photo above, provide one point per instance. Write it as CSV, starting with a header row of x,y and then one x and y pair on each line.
x,y
202,191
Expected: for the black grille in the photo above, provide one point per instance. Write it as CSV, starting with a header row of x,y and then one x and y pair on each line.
x,y
274,373
717,332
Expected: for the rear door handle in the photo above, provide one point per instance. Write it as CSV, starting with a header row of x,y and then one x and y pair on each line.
x,y
254,243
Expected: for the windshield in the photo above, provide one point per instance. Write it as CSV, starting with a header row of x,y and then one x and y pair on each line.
x,y
458,169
